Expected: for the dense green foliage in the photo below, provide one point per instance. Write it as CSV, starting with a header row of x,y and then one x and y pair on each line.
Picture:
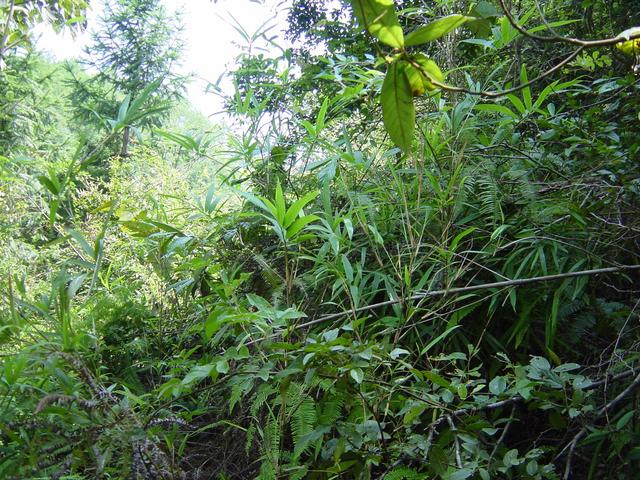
x,y
18,17
412,253
137,45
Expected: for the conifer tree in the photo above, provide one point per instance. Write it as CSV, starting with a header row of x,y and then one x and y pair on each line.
x,y
137,44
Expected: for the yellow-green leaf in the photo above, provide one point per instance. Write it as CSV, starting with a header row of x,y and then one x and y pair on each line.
x,y
630,47
379,18
398,110
417,81
436,29
430,69
421,72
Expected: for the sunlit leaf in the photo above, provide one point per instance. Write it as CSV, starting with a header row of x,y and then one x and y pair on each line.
x,y
379,18
435,29
398,110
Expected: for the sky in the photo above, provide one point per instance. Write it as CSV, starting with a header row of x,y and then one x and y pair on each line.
x,y
211,42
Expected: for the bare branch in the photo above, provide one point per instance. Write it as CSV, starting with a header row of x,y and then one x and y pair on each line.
x,y
500,93
454,432
605,42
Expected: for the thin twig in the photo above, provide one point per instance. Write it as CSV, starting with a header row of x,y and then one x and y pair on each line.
x,y
571,446
503,434
456,443
517,88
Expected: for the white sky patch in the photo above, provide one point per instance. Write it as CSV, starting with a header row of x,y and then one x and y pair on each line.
x,y
211,42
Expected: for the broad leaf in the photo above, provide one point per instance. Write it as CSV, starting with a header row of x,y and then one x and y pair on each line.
x,y
357,374
417,81
197,373
398,110
435,30
421,73
379,18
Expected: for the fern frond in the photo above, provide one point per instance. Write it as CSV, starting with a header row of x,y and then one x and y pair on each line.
x,y
404,473
267,472
271,442
249,437
238,389
303,422
300,473
260,398
489,198
331,411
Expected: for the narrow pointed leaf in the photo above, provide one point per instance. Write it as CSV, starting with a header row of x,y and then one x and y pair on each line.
x,y
300,223
142,98
124,106
280,204
297,206
48,184
251,198
526,91
77,236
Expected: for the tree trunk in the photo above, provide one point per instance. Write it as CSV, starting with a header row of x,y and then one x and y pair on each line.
x,y
124,151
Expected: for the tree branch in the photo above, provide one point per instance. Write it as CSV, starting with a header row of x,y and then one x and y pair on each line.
x,y
5,32
500,93
485,286
605,42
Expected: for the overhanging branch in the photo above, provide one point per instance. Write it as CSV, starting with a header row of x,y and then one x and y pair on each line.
x,y
452,291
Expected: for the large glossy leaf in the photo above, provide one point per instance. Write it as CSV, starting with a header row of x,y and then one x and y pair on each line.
x,y
429,69
398,110
379,18
435,30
